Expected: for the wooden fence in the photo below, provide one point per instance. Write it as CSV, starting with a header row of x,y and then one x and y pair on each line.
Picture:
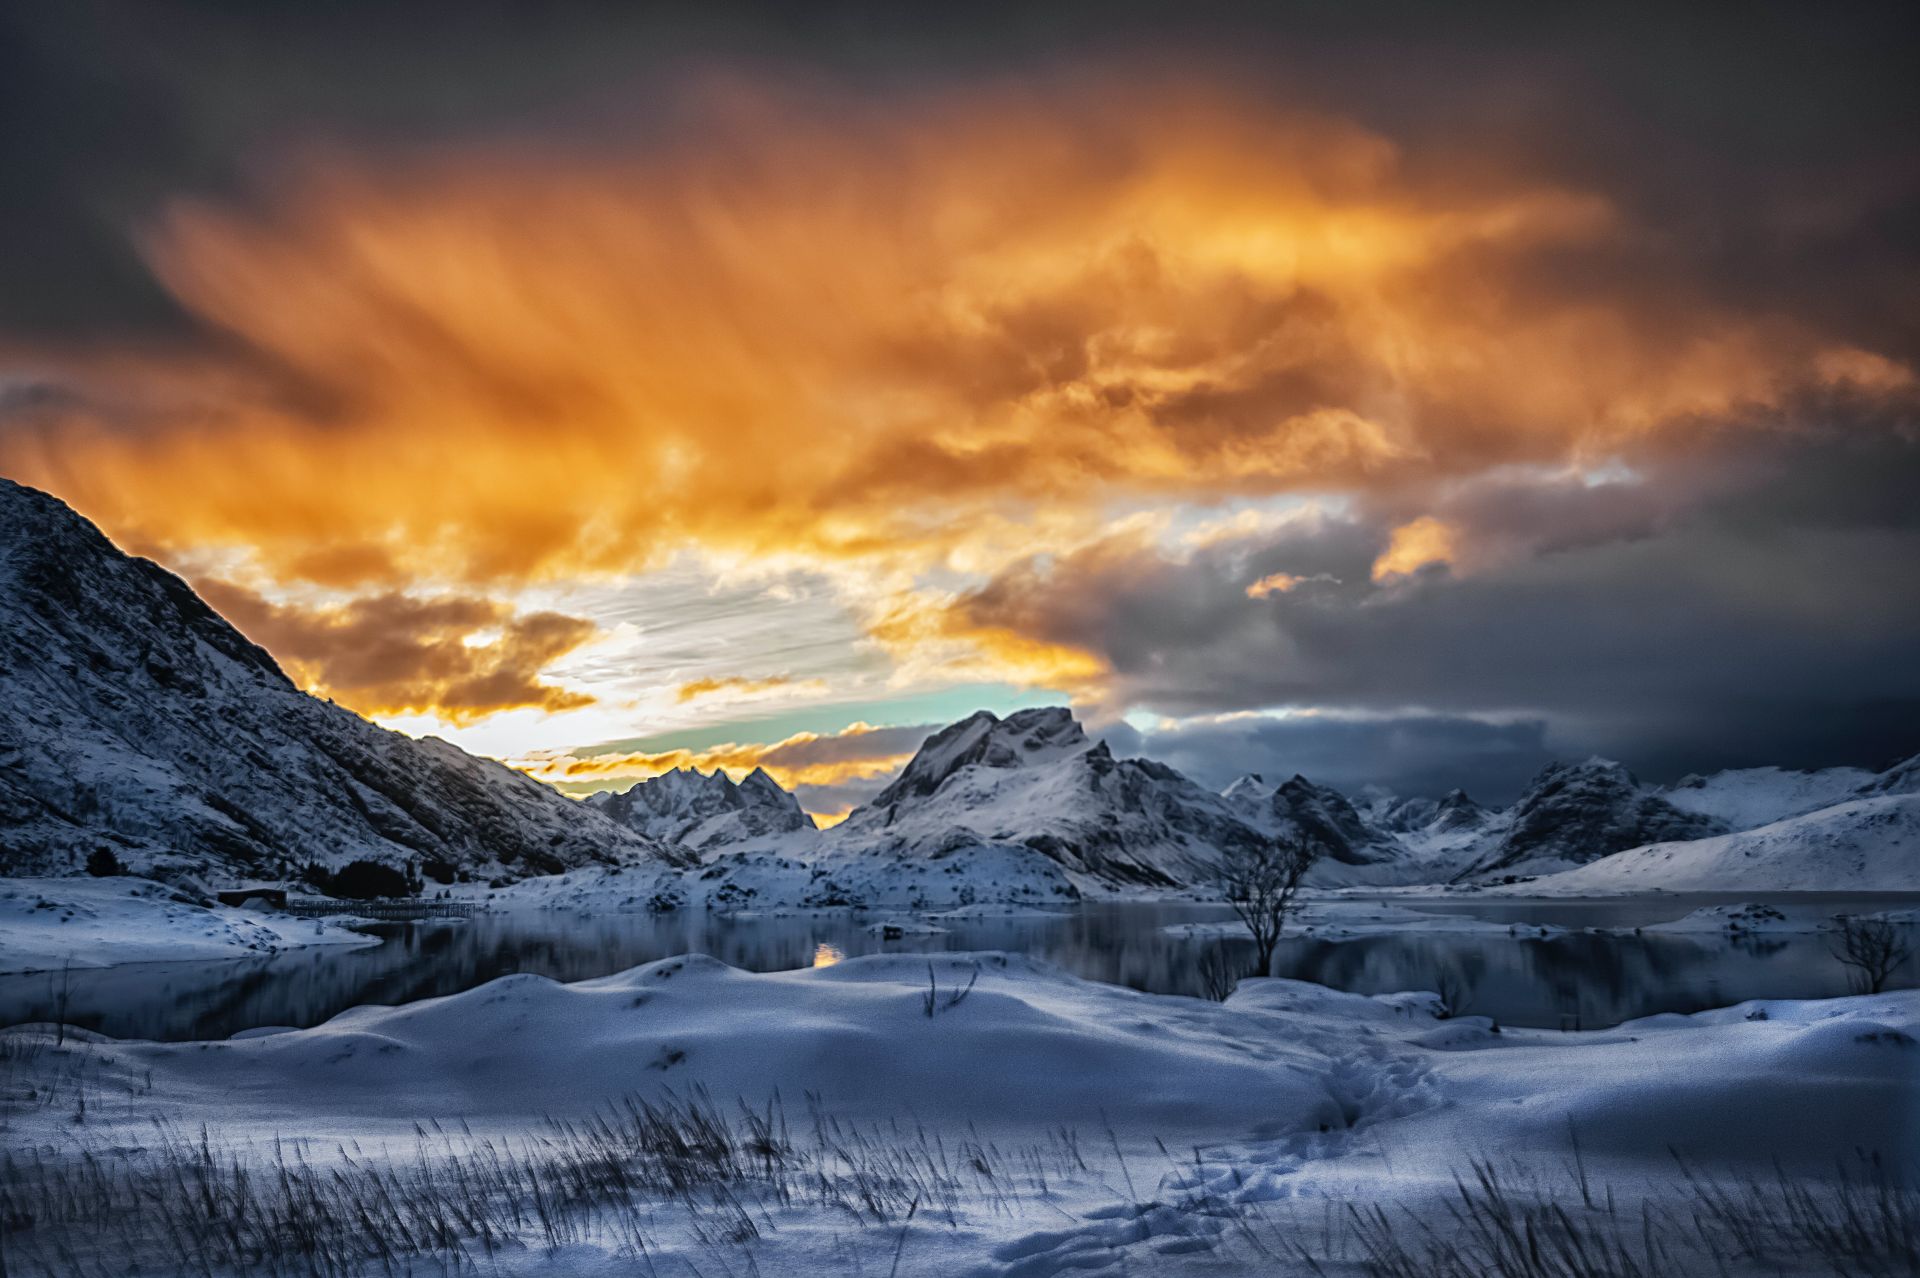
x,y
394,910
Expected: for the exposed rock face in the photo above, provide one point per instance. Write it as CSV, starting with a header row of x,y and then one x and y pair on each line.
x,y
1869,844
134,718
1299,807
1457,811
1901,778
1573,813
1035,780
699,811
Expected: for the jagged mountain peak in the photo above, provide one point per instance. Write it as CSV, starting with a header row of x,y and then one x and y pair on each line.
x,y
1573,813
1298,806
1036,780
702,810
1249,788
983,739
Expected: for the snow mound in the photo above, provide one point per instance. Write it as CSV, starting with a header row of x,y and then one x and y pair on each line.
x,y
1011,1041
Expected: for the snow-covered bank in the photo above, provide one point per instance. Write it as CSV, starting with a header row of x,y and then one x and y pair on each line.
x,y
47,924
801,876
1002,1117
1334,917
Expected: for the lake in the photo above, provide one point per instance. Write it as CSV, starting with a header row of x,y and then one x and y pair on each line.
x,y
1571,980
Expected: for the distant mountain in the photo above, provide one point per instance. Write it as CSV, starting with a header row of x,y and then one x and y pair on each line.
x,y
1298,806
1033,779
1573,813
700,811
133,718
1862,845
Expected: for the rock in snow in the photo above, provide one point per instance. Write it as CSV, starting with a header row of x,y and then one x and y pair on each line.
x,y
133,718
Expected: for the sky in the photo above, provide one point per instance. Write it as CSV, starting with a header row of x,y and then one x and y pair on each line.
x,y
1393,393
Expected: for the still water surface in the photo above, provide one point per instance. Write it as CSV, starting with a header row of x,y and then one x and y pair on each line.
x,y
1578,979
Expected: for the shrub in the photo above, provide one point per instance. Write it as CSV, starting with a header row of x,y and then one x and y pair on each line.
x,y
367,880
103,864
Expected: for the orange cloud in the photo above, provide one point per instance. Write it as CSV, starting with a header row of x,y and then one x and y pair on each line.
x,y
929,631
740,686
859,752
455,657
819,327
1274,583
1414,546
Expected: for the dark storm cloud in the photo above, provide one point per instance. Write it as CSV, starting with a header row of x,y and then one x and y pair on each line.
x,y
1768,150
1730,608
1409,754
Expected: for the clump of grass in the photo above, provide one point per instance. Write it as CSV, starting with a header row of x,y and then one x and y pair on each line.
x,y
933,1002
1863,1222
184,1201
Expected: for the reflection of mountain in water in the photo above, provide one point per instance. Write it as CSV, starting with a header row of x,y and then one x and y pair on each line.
x,y
1589,979
1576,980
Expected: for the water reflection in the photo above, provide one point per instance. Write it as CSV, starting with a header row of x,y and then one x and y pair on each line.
x,y
1584,979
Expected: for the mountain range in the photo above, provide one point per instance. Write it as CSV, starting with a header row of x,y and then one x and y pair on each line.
x,y
701,810
135,720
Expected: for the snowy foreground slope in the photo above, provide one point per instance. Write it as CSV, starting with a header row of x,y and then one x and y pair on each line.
x,y
134,719
982,1115
46,924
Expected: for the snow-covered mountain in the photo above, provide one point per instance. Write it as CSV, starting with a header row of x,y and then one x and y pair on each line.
x,y
1746,798
1298,806
1573,813
698,810
1035,780
133,718
1902,778
1864,844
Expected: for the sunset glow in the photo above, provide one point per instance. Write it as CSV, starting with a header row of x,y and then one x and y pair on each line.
x,y
913,354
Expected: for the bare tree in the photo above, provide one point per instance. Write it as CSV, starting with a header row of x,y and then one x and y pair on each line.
x,y
1874,948
1259,881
